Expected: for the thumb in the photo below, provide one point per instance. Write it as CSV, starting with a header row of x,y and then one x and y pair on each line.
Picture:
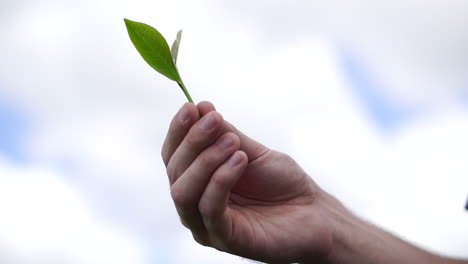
x,y
252,148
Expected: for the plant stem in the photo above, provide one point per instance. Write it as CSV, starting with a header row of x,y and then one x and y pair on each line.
x,y
182,86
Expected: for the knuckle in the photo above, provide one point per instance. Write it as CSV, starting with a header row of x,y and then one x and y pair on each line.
x,y
288,160
213,156
179,197
183,222
206,159
201,240
164,156
209,211
221,178
205,210
286,156
171,171
192,140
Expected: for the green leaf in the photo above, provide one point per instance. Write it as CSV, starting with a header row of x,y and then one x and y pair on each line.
x,y
175,46
153,48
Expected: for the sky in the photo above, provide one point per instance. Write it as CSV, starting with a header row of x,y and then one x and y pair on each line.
x,y
370,97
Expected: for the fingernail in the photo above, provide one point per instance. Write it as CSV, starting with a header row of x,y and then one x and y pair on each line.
x,y
225,142
235,159
184,115
208,123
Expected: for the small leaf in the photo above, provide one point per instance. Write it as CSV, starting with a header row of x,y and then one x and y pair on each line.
x,y
175,46
153,48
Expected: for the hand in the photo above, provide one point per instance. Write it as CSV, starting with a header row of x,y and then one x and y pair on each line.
x,y
238,196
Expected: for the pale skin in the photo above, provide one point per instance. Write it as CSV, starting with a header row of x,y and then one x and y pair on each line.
x,y
238,196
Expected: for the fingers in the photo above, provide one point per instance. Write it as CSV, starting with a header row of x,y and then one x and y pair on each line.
x,y
252,148
204,159
205,107
213,203
188,115
189,187
201,135
180,125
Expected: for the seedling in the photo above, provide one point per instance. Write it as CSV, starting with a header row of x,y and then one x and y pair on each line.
x,y
154,49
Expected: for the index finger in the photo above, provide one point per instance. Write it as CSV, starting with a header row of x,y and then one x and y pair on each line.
x,y
179,127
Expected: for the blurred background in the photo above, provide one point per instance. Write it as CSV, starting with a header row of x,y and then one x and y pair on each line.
x,y
370,97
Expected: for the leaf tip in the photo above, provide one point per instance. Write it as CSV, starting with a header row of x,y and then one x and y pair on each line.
x,y
127,21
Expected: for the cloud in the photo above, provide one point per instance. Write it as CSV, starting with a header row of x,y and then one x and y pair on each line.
x,y
44,220
416,48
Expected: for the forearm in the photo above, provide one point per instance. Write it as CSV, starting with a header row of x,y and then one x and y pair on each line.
x,y
357,241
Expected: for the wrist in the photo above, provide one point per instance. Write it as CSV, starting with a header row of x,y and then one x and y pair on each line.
x,y
330,242
357,241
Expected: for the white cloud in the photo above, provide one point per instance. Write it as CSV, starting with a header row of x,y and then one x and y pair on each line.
x,y
190,252
416,48
44,218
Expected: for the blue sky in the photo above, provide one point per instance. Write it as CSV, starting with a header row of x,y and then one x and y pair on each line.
x,y
385,114
14,124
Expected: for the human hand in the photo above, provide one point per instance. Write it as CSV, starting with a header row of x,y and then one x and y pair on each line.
x,y
238,196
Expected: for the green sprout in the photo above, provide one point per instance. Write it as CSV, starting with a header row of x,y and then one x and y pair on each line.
x,y
154,49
